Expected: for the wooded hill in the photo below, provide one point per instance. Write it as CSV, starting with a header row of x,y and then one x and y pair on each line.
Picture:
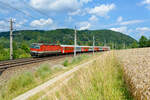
x,y
66,36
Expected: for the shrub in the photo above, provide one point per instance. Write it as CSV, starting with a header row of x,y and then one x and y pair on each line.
x,y
66,63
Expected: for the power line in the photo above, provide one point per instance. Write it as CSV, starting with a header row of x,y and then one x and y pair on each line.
x,y
36,10
3,19
2,26
8,5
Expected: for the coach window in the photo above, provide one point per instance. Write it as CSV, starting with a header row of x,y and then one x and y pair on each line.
x,y
37,47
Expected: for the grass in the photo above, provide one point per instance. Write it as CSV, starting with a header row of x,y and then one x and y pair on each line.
x,y
17,85
28,80
102,80
21,81
75,60
43,71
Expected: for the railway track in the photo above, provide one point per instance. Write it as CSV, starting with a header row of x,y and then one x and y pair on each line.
x,y
19,62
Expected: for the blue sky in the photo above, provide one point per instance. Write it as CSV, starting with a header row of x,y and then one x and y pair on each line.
x,y
131,17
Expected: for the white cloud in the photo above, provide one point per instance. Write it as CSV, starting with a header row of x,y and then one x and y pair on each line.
x,y
120,29
143,29
4,26
69,19
93,18
58,5
84,25
123,29
41,22
20,23
2,22
4,11
77,12
120,19
146,2
131,22
85,1
102,10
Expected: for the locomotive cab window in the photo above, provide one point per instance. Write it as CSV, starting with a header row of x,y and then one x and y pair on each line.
x,y
35,46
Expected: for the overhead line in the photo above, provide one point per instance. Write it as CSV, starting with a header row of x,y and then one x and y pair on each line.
x,y
36,9
8,5
2,19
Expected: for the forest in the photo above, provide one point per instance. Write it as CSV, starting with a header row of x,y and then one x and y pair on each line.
x,y
24,38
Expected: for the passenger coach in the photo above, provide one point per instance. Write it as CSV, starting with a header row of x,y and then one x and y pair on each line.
x,y
41,49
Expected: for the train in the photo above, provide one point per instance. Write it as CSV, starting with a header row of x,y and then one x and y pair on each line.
x,y
44,49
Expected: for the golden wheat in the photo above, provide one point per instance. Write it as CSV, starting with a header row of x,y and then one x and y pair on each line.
x,y
136,67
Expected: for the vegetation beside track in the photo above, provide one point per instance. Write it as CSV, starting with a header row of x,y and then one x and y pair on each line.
x,y
75,60
28,80
20,51
102,80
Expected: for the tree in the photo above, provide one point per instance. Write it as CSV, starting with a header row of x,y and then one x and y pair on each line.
x,y
1,47
143,41
134,45
148,42
25,47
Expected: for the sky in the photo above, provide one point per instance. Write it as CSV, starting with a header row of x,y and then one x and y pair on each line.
x,y
131,17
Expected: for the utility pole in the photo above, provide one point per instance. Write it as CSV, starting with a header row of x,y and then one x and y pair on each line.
x,y
75,41
11,39
105,42
124,45
112,45
93,43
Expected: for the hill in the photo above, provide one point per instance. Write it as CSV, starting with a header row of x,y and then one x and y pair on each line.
x,y
66,36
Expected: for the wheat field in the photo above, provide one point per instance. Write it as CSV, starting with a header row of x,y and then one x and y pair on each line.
x,y
136,68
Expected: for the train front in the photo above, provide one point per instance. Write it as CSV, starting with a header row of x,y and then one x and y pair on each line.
x,y
35,50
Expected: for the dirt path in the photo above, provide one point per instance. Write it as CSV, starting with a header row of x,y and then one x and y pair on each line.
x,y
51,82
56,88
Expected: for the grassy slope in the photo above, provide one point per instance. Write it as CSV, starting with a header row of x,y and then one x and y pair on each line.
x,y
28,80
100,81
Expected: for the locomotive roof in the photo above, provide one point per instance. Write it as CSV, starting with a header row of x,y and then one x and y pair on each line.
x,y
80,46
43,44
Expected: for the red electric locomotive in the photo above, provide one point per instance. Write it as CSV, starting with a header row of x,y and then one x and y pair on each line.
x,y
41,49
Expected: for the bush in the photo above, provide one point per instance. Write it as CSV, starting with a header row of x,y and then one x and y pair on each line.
x,y
66,63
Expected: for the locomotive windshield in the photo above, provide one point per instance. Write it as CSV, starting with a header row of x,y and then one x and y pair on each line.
x,y
35,46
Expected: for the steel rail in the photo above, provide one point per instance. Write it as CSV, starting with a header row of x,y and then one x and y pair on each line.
x,y
14,63
19,62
